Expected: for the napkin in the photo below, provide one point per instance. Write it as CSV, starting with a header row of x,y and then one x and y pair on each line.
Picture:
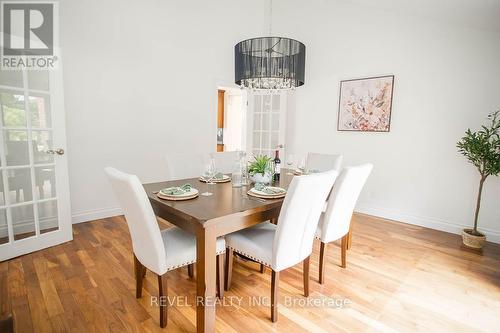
x,y
218,176
177,190
268,190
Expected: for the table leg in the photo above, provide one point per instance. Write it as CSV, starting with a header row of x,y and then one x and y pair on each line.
x,y
349,237
205,280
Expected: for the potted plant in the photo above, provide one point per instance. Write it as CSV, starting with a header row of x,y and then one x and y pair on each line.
x,y
482,149
259,169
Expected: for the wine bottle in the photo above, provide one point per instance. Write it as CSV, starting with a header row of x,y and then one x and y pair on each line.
x,y
277,166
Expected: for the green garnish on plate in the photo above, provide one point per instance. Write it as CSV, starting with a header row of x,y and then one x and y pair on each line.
x,y
268,189
177,190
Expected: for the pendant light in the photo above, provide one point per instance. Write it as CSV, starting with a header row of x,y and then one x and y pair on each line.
x,y
273,63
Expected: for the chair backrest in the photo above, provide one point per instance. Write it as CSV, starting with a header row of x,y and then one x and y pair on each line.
x,y
335,222
323,162
181,166
147,242
299,218
224,161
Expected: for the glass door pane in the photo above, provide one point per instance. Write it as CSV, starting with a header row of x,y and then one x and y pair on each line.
x,y
45,178
42,141
23,221
4,232
48,216
39,105
12,108
16,147
19,185
11,79
2,195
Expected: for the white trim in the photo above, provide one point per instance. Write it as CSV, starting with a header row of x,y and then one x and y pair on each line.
x,y
95,214
27,226
363,208
27,245
423,221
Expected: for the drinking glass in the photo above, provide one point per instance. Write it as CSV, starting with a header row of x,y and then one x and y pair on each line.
x,y
290,160
208,172
302,164
271,169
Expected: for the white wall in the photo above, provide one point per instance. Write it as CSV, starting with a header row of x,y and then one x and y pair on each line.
x,y
139,75
447,78
140,81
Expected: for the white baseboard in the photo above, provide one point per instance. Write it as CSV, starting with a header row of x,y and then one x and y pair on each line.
x,y
423,221
95,214
428,222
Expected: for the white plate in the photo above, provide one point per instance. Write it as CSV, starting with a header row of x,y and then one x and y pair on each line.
x,y
265,194
225,178
189,193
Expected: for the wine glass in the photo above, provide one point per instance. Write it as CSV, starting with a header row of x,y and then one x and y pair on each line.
x,y
271,169
289,163
207,174
302,164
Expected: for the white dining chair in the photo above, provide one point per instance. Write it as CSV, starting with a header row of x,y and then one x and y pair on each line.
x,y
158,251
224,161
335,223
323,162
290,241
182,166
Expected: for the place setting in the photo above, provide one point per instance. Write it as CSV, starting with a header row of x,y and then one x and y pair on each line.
x,y
209,176
264,191
178,193
265,171
217,178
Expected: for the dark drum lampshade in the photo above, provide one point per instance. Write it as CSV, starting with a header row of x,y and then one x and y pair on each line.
x,y
269,63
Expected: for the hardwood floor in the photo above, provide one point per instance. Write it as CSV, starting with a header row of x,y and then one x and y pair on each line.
x,y
399,278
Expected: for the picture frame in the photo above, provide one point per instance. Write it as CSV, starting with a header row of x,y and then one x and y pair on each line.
x,y
365,104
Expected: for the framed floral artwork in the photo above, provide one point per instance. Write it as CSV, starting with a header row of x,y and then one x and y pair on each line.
x,y
366,104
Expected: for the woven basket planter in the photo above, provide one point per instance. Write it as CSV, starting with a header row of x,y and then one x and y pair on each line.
x,y
475,242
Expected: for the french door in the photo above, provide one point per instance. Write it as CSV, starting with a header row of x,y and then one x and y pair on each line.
x,y
266,123
34,190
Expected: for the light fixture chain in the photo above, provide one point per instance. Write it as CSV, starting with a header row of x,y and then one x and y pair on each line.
x,y
270,17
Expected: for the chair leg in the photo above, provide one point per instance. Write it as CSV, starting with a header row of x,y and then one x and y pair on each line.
x,y
190,271
262,268
229,268
349,238
306,275
7,324
139,270
163,294
322,251
343,250
220,275
274,296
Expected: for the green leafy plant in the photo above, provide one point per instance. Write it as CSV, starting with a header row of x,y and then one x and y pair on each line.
x,y
259,165
482,149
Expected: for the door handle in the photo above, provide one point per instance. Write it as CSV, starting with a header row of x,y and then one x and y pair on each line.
x,y
58,151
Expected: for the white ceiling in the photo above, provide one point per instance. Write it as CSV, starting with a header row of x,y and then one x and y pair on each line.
x,y
479,14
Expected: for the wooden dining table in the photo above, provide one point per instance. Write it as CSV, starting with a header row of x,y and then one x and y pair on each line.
x,y
229,209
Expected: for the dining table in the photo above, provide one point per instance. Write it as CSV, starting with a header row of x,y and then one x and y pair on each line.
x,y
227,210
